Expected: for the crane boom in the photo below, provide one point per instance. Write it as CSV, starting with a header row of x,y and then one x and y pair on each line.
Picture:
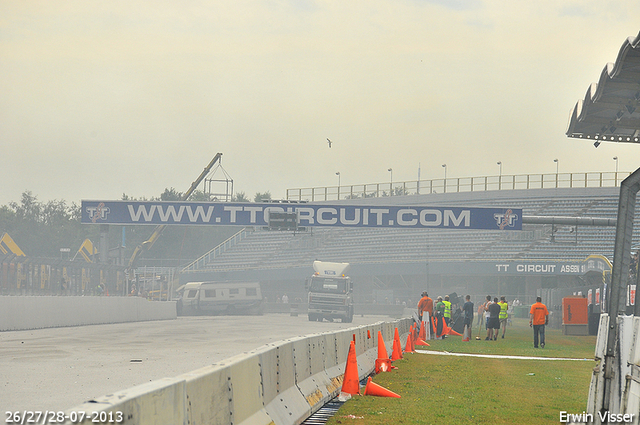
x,y
146,245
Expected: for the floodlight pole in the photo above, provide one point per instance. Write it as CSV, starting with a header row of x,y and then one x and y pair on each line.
x,y
445,177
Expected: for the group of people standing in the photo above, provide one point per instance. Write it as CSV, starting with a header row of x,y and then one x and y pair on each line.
x,y
441,311
496,315
494,312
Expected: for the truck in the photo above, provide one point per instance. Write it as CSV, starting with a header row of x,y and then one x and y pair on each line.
x,y
330,292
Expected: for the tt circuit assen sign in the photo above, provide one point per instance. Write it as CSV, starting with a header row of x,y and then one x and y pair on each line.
x,y
250,214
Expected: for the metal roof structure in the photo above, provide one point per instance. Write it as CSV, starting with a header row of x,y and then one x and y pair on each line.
x,y
610,110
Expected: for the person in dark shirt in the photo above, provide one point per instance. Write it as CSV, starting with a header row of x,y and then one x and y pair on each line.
x,y
493,324
467,308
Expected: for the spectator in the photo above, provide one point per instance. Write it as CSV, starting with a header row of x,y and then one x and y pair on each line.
x,y
503,314
538,318
439,315
481,312
493,320
486,312
468,318
425,304
447,310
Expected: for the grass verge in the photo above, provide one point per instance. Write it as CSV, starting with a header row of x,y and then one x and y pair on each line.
x,y
439,389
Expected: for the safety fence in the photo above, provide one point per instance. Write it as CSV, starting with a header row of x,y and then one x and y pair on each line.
x,y
280,383
25,275
458,184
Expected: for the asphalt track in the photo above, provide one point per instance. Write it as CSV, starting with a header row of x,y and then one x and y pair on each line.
x,y
60,368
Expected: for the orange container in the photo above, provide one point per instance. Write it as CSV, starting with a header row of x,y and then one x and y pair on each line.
x,y
574,311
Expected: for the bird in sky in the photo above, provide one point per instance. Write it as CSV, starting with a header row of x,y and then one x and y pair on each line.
x,y
330,142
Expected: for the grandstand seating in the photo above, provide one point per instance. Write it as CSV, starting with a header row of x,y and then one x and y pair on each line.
x,y
263,249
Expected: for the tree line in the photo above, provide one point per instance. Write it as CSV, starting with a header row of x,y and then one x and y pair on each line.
x,y
41,229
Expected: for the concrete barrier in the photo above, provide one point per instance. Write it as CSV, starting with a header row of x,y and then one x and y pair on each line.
x,y
281,383
32,312
624,394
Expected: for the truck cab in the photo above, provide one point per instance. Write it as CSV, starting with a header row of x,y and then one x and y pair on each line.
x,y
330,292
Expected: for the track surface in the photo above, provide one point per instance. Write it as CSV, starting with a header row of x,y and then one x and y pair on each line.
x,y
60,368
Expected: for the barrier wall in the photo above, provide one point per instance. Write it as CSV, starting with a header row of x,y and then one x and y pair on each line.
x,y
281,383
33,312
625,392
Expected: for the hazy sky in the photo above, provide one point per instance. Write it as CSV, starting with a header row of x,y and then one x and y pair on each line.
x,y
101,98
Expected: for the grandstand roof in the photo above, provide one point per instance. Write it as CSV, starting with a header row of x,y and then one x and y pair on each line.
x,y
609,111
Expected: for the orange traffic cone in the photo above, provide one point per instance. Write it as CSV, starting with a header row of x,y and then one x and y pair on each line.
x,y
465,337
423,332
446,330
382,348
421,341
383,362
434,326
417,338
377,390
368,334
351,383
397,347
408,348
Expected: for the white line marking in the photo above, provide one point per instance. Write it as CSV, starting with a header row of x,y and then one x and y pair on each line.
x,y
487,356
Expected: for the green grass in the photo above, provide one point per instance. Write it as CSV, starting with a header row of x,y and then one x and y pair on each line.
x,y
469,390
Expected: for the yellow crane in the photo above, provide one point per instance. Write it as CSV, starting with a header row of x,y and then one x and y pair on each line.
x,y
146,245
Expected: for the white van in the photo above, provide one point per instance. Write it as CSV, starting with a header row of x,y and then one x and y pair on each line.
x,y
220,298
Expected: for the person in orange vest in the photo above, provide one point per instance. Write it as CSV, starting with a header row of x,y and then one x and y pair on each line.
x,y
538,318
425,304
480,313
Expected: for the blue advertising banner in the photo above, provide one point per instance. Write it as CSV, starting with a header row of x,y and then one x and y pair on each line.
x,y
250,214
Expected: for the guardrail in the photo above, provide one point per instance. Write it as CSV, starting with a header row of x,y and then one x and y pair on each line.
x,y
281,383
460,184
200,262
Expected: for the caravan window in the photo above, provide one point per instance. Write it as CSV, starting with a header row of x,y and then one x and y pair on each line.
x,y
192,293
210,293
234,291
251,292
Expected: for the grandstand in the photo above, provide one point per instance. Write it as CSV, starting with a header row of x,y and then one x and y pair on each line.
x,y
403,260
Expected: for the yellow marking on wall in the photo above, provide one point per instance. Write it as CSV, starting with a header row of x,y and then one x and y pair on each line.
x,y
7,245
335,384
87,251
314,398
